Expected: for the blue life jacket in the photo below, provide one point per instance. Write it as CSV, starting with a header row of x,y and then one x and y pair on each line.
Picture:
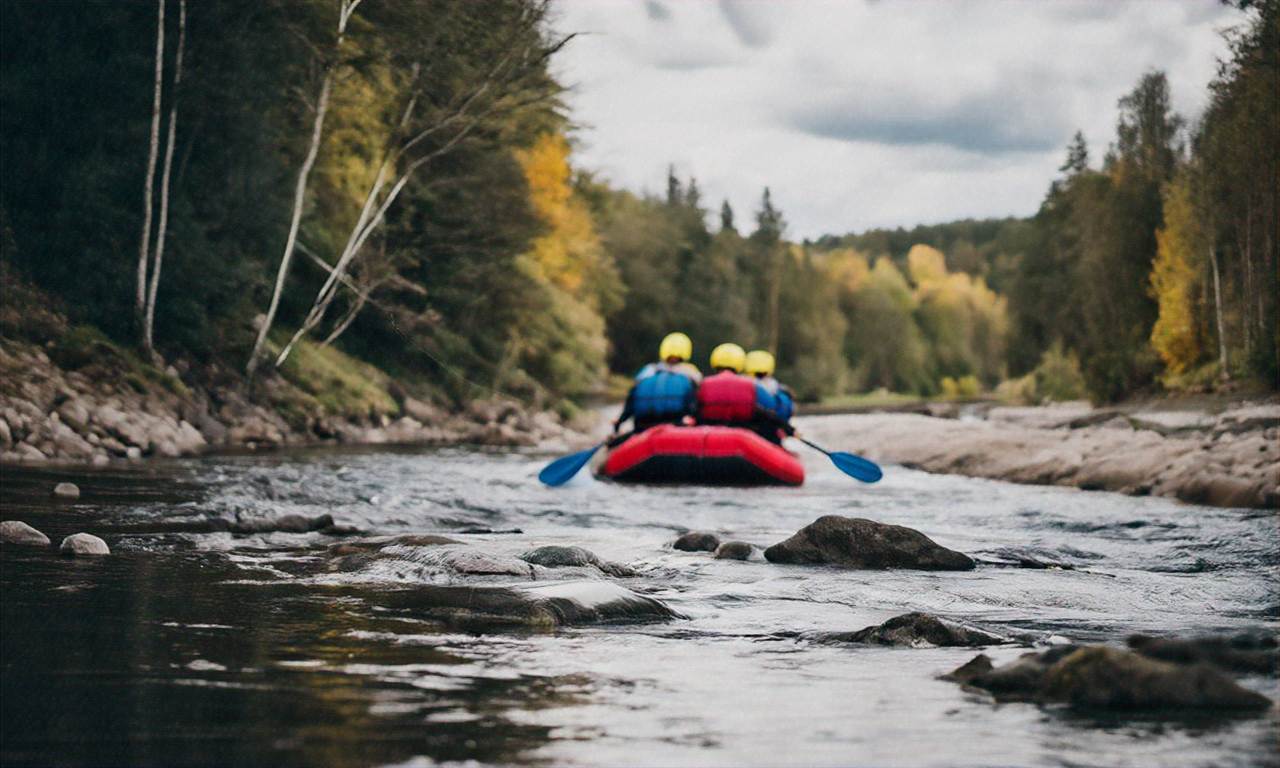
x,y
765,400
663,394
783,407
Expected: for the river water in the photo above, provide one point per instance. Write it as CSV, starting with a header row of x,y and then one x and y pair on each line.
x,y
188,648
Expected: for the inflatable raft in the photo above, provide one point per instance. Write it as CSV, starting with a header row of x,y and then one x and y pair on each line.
x,y
702,455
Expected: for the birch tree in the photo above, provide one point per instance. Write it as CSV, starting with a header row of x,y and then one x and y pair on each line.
x,y
144,248
158,258
345,11
429,128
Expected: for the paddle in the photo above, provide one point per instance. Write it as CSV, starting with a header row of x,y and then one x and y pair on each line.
x,y
854,466
564,468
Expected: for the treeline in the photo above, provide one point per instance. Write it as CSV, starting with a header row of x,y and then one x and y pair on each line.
x,y
837,320
1161,264
224,182
390,178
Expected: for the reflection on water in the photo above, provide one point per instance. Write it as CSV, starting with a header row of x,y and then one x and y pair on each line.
x,y
193,646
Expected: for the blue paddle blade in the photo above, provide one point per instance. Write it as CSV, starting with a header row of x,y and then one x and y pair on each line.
x,y
856,467
562,469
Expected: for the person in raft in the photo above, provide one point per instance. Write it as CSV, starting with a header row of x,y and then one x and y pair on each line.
x,y
730,399
663,392
780,402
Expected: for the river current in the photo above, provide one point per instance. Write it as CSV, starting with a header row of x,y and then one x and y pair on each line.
x,y
211,648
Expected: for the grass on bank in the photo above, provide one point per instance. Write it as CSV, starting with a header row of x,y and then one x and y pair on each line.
x,y
334,383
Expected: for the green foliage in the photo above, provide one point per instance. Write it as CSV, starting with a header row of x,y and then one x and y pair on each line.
x,y
1058,377
339,384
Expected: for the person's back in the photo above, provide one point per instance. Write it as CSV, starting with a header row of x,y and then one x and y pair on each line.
x,y
727,397
663,392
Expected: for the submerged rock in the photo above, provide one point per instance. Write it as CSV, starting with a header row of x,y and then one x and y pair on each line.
x,y
289,523
1101,677
18,532
84,544
569,557
855,542
1247,653
697,541
66,491
734,550
916,630
544,606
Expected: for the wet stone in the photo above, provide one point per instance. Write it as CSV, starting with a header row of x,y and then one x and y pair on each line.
x,y
918,630
18,532
1246,652
1104,678
84,544
66,491
734,550
860,543
568,557
697,541
543,606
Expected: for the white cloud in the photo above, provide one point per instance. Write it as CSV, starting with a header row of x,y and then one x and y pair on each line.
x,y
868,114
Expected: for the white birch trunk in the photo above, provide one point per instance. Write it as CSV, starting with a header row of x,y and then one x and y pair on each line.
x,y
300,193
158,260
1217,310
144,250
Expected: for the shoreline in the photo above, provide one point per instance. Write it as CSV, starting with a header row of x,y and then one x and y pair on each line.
x,y
1226,459
102,414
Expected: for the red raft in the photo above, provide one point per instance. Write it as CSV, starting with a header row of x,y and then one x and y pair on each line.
x,y
702,455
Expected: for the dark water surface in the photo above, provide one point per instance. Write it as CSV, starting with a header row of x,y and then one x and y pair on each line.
x,y
188,648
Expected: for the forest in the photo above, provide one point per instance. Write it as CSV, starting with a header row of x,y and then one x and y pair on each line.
x,y
237,183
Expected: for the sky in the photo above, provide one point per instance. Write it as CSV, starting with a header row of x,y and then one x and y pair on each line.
x,y
868,113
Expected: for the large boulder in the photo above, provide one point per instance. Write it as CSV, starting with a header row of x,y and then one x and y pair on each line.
x,y
542,606
18,532
1102,677
855,542
917,630
84,544
574,557
1109,678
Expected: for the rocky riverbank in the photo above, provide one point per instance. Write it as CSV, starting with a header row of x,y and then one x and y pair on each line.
x,y
1227,458
101,406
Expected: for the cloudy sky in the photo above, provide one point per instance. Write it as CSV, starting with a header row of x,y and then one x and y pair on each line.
x,y
868,113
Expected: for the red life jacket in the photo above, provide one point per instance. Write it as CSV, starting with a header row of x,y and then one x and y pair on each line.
x,y
726,397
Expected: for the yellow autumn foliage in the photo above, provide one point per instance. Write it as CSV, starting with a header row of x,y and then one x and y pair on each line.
x,y
1175,279
569,254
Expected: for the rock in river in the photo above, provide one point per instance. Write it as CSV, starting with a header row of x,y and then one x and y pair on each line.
x,y
855,542
66,491
734,550
697,541
570,557
542,606
1247,653
18,532
84,544
1102,677
917,630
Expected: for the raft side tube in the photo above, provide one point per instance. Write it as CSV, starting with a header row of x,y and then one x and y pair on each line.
x,y
702,455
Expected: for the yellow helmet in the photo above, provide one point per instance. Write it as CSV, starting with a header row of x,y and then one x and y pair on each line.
x,y
675,345
759,362
728,356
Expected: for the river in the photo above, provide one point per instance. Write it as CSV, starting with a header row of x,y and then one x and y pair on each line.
x,y
186,648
